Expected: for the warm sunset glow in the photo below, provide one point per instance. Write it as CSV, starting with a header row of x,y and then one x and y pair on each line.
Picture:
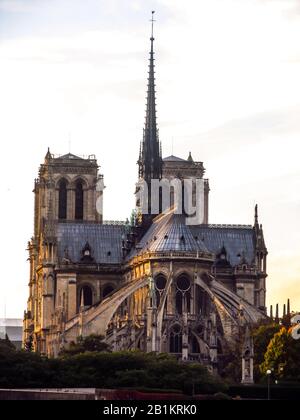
x,y
72,77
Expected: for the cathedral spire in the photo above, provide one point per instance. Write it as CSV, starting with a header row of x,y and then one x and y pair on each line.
x,y
150,163
48,156
256,215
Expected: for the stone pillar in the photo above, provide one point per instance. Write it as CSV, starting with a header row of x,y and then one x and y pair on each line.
x,y
86,204
151,330
265,263
185,338
114,335
247,359
132,337
55,203
72,298
193,299
206,201
70,204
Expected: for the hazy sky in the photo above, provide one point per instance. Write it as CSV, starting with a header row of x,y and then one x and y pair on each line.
x,y
228,90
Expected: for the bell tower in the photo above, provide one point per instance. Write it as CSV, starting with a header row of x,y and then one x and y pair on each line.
x,y
67,190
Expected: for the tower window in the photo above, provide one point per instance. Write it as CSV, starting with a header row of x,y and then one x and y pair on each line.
x,y
87,296
107,290
62,200
79,201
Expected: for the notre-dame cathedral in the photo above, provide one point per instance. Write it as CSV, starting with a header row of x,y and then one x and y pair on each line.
x,y
154,283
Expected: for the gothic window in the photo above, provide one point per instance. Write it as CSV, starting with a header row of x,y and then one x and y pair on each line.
x,y
179,301
195,345
187,297
202,302
176,339
183,294
157,298
183,283
87,295
62,200
172,193
107,290
160,284
79,201
183,199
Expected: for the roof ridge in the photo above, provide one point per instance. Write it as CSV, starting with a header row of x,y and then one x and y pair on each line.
x,y
234,226
173,158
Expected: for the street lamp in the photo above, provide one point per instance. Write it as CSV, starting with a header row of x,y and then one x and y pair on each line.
x,y
269,376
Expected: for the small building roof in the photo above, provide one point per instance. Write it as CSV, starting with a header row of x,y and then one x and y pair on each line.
x,y
173,158
70,156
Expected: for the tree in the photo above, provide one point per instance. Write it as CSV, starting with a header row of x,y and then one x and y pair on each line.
x,y
262,336
282,356
6,345
91,343
93,369
232,359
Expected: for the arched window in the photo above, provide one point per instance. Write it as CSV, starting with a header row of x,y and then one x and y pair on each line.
x,y
179,302
107,290
160,284
202,302
183,294
79,201
176,339
62,200
187,297
87,296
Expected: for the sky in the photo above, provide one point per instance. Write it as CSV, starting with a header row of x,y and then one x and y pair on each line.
x,y
73,78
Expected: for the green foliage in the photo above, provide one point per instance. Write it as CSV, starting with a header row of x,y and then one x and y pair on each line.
x,y
127,369
232,366
221,396
262,336
6,345
91,343
282,356
232,360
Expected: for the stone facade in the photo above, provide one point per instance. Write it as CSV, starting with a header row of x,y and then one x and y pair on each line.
x,y
179,289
